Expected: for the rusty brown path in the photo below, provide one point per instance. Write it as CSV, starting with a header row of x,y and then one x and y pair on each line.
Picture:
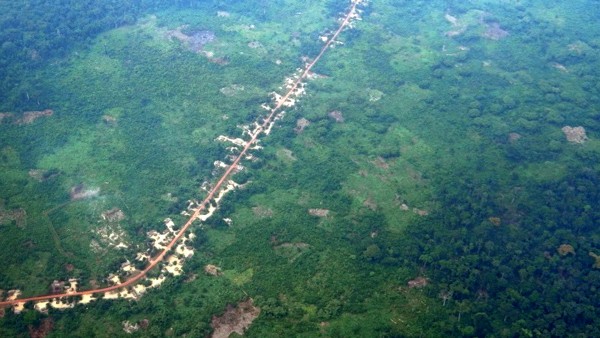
x,y
157,259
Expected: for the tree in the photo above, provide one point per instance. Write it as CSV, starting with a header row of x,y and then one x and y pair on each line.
x,y
372,253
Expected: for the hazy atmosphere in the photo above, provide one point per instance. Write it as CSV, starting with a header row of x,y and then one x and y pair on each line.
x,y
315,168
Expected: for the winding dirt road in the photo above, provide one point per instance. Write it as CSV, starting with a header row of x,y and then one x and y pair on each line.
x,y
268,120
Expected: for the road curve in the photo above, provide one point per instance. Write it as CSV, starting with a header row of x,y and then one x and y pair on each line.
x,y
157,259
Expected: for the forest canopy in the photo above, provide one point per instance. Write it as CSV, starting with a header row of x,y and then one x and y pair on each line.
x,y
439,177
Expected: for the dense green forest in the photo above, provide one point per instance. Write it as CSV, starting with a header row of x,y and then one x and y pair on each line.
x,y
36,32
427,185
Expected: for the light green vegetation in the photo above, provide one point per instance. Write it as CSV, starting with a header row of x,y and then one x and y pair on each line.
x,y
450,164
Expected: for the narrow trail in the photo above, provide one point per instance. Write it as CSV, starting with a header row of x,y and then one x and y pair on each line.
x,y
55,237
153,262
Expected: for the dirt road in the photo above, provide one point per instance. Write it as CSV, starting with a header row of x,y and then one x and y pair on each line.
x,y
266,122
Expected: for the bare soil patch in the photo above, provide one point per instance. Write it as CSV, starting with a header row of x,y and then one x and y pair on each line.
x,y
42,175
379,162
195,40
301,124
19,216
80,192
41,331
235,319
30,116
109,120
370,203
419,282
212,270
575,134
337,116
113,215
5,116
262,212
318,212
